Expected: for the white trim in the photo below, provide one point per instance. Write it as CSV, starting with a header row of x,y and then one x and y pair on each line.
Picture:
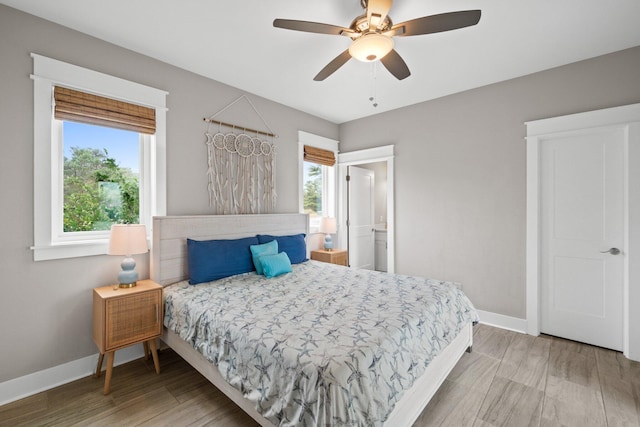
x,y
587,120
632,277
48,72
28,385
318,141
370,155
533,237
503,322
625,116
61,73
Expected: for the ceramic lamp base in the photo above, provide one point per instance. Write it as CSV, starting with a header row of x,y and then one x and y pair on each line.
x,y
328,243
128,277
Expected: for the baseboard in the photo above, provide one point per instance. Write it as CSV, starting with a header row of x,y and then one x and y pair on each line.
x,y
46,379
504,322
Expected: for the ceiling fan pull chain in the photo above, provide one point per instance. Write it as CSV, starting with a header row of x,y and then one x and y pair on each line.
x,y
374,97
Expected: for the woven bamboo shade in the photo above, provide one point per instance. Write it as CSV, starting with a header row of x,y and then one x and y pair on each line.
x,y
318,155
86,108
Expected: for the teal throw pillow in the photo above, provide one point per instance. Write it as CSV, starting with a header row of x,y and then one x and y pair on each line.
x,y
258,251
275,265
294,245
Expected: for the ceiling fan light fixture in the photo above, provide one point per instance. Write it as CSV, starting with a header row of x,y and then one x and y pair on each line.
x,y
373,33
371,47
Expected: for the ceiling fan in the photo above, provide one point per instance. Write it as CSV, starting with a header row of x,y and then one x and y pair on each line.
x,y
372,34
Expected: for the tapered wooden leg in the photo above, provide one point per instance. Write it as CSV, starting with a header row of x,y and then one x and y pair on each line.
x,y
154,353
99,367
107,378
146,350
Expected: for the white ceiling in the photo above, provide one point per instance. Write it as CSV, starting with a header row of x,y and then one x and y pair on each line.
x,y
234,42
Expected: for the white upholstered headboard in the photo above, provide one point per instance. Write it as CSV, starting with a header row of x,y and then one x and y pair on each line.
x,y
170,233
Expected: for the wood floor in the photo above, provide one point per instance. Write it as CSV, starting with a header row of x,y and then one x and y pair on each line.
x,y
509,379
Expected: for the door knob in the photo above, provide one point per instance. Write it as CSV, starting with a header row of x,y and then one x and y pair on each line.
x,y
612,251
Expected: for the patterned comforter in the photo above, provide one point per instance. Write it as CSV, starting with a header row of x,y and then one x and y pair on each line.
x,y
323,345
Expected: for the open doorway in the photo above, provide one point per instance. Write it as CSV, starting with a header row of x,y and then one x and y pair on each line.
x,y
379,171
361,182
377,163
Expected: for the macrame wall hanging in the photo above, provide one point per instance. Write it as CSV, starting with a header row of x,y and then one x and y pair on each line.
x,y
242,166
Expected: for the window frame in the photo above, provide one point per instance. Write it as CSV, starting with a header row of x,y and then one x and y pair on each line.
x,y
329,180
48,156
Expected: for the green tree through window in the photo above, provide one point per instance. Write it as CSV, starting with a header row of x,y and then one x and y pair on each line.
x,y
98,192
312,203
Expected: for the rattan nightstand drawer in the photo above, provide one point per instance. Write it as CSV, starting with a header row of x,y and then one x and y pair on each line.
x,y
132,319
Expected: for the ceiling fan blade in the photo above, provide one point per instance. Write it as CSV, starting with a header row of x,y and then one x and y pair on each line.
x,y
333,66
393,62
311,27
378,9
395,31
438,23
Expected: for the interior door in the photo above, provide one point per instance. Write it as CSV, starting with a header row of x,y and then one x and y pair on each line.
x,y
582,234
360,199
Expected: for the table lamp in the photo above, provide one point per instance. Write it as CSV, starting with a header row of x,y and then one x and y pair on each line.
x,y
328,226
127,240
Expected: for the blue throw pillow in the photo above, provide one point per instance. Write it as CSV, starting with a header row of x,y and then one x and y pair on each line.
x,y
275,265
214,259
258,251
294,246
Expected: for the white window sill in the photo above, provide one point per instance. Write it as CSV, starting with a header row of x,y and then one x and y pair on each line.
x,y
70,250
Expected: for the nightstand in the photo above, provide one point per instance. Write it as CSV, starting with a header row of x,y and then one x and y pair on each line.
x,y
336,256
126,316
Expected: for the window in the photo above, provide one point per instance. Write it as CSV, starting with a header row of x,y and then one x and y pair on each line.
x,y
317,178
92,168
317,192
100,177
99,183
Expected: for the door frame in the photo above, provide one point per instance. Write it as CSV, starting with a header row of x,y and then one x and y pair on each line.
x,y
360,157
628,119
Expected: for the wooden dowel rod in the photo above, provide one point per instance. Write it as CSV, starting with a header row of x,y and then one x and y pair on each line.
x,y
239,127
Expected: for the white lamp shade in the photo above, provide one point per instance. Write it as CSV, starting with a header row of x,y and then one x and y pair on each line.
x,y
328,225
371,47
128,239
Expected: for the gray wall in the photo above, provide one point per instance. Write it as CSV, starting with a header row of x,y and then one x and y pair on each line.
x,y
460,171
460,178
46,306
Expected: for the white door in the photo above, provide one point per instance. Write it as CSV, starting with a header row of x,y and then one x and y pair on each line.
x,y
582,233
360,199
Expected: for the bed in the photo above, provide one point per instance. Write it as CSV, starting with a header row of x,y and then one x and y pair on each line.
x,y
290,350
